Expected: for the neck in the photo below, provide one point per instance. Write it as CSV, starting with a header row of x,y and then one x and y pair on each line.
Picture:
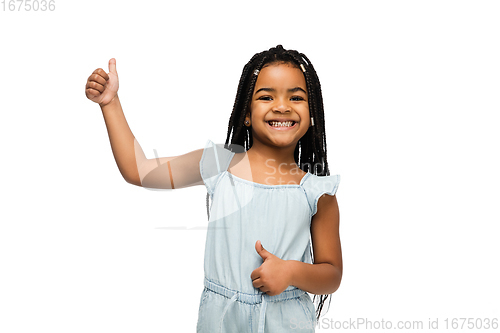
x,y
272,156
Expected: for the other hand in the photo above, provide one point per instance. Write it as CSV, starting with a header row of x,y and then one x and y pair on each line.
x,y
274,275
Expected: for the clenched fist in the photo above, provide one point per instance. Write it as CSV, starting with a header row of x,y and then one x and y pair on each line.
x,y
101,87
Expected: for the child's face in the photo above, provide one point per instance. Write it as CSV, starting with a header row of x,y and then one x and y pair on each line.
x,y
279,94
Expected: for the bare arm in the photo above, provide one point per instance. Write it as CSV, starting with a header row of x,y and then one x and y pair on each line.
x,y
324,276
126,150
166,172
162,173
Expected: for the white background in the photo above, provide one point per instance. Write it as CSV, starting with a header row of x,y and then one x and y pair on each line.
x,y
411,105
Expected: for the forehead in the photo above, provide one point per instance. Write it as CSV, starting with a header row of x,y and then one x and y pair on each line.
x,y
281,75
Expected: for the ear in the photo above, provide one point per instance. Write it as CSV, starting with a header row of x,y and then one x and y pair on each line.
x,y
247,118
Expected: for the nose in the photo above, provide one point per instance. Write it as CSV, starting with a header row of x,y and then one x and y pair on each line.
x,y
281,106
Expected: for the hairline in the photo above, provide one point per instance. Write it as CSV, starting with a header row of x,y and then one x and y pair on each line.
x,y
281,62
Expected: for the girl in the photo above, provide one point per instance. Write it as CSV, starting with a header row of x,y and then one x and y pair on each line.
x,y
272,196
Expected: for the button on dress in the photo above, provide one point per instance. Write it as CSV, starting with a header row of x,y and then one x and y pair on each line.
x,y
242,212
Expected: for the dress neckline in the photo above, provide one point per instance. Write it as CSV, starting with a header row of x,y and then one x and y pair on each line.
x,y
266,185
260,184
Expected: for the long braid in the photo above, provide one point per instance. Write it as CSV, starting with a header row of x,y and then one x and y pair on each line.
x,y
318,144
310,151
321,137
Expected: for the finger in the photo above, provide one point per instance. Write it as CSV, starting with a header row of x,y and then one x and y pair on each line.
x,y
112,66
263,253
102,73
92,92
97,78
258,283
264,289
95,86
255,274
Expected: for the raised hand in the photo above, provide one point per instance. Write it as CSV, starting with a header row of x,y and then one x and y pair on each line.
x,y
274,275
101,87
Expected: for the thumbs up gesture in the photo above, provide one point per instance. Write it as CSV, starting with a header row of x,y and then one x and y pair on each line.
x,y
274,274
101,87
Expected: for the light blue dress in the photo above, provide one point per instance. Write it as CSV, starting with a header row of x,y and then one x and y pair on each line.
x,y
241,213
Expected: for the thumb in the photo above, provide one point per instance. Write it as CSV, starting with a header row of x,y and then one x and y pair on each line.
x,y
112,66
261,251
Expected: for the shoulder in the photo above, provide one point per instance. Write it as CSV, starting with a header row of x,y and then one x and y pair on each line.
x,y
326,201
237,158
317,187
214,160
314,183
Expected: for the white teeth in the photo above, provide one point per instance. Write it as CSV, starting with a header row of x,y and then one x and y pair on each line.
x,y
281,123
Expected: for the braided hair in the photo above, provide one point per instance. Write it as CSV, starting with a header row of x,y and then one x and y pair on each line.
x,y
311,148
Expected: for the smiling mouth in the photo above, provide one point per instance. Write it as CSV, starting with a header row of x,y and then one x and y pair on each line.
x,y
282,126
273,123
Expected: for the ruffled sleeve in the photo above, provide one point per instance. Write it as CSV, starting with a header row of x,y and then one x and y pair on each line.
x,y
214,160
316,186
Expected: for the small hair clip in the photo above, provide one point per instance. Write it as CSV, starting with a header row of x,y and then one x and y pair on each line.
x,y
256,72
303,68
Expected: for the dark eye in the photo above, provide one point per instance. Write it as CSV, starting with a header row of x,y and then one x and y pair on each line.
x,y
265,98
297,98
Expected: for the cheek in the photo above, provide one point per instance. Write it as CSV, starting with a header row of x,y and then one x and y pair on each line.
x,y
253,107
304,110
257,109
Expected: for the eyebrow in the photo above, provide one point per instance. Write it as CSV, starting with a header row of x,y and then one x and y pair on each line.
x,y
291,90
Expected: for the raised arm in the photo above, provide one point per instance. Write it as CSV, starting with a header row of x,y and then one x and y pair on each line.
x,y
165,172
171,172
